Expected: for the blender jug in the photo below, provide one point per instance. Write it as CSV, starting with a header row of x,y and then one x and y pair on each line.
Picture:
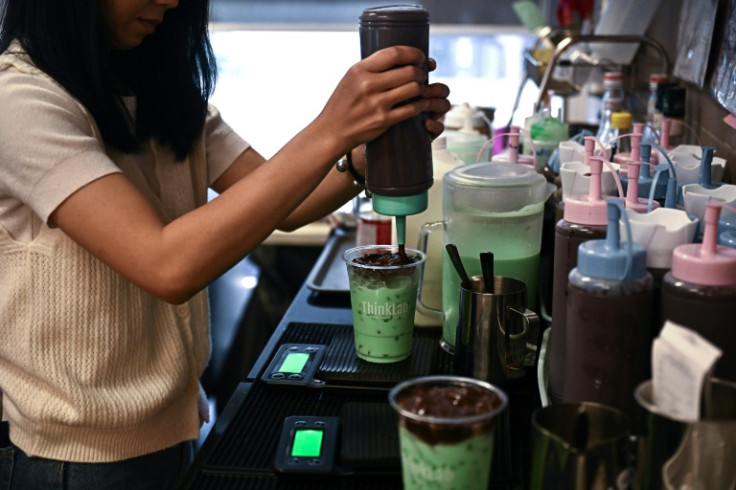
x,y
496,207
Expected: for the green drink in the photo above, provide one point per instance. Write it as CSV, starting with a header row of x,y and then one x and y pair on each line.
x,y
446,426
426,466
383,294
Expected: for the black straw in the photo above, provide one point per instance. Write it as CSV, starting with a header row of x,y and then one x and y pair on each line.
x,y
455,258
486,265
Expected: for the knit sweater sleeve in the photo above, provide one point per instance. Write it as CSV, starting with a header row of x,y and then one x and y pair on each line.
x,y
223,144
51,146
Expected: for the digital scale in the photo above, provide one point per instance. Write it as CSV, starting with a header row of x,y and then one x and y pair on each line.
x,y
361,435
307,444
295,365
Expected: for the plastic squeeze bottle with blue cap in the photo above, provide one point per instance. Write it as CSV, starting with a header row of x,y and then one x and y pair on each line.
x,y
699,292
585,218
609,319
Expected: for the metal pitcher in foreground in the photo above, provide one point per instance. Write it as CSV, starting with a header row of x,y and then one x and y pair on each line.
x,y
580,446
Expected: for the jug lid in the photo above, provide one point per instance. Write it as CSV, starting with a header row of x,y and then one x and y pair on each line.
x,y
494,174
465,117
490,188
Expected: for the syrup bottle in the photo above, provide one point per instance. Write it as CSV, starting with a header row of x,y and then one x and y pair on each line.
x,y
398,168
699,292
585,218
609,319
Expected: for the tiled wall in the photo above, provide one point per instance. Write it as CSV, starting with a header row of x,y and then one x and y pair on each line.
x,y
706,115
703,113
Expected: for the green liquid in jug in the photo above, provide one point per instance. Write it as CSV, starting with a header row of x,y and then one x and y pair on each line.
x,y
514,237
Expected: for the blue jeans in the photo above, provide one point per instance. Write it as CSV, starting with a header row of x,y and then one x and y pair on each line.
x,y
157,471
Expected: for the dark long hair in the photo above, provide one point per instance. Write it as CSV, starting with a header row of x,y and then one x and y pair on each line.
x,y
172,73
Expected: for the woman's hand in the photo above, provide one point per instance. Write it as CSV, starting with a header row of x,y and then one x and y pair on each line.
x,y
437,94
372,96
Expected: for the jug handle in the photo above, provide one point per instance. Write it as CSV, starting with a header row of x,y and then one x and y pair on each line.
x,y
424,232
532,331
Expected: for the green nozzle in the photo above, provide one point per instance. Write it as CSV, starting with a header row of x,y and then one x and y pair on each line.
x,y
401,230
400,205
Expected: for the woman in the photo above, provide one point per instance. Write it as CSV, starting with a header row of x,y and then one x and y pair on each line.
x,y
107,239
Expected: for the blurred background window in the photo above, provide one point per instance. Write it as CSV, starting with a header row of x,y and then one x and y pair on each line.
x,y
494,12
280,60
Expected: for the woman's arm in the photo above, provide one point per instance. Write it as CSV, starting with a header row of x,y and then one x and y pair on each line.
x,y
331,193
173,261
337,187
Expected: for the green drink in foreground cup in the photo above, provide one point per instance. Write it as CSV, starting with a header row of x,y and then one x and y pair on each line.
x,y
383,295
446,426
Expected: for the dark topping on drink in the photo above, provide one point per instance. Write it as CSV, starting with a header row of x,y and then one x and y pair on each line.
x,y
385,259
451,402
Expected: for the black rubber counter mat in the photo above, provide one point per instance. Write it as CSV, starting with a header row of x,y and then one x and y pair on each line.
x,y
342,366
369,436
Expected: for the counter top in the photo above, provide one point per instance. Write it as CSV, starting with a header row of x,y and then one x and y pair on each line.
x,y
312,235
241,450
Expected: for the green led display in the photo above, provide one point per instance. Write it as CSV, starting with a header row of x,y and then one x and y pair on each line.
x,y
294,362
307,443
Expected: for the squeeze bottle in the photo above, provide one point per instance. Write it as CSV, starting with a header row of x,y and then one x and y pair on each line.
x,y
431,283
584,218
699,292
609,319
398,165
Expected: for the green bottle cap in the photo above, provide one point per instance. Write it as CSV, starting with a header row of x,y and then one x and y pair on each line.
x,y
400,205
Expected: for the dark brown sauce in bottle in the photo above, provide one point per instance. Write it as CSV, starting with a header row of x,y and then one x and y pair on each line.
x,y
407,142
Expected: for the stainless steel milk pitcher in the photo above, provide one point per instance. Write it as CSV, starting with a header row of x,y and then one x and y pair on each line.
x,y
497,336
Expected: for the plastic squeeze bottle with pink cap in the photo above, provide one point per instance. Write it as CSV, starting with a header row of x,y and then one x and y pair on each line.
x,y
585,218
699,292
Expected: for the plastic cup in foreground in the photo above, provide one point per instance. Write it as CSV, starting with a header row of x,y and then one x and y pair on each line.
x,y
383,301
446,426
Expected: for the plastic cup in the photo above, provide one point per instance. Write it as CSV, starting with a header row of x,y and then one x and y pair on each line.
x,y
383,302
446,427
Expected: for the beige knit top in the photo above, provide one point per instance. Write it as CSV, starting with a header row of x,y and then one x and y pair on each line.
x,y
92,368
